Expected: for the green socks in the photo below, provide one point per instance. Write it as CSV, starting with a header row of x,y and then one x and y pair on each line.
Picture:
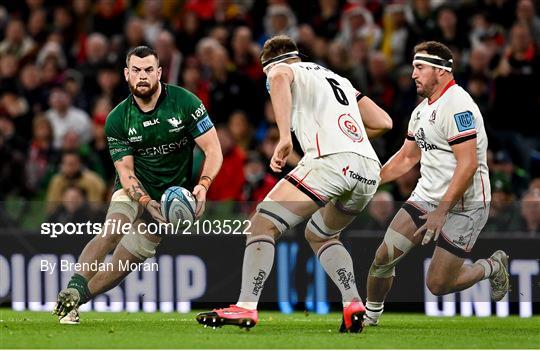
x,y
80,283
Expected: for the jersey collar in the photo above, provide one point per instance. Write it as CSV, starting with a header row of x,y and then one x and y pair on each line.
x,y
450,83
161,97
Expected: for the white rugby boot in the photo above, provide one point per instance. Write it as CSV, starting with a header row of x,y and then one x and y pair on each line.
x,y
71,318
500,281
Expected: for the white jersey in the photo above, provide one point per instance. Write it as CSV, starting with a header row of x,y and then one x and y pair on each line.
x,y
325,115
450,120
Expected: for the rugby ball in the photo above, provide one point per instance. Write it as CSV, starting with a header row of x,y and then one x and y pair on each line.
x,y
178,205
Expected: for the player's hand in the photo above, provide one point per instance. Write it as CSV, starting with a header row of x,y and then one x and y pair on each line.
x,y
200,195
282,151
434,223
154,208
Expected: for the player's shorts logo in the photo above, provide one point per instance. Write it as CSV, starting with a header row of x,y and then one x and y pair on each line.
x,y
356,176
350,127
460,241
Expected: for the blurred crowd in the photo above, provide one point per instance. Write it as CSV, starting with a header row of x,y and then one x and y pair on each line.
x,y
61,74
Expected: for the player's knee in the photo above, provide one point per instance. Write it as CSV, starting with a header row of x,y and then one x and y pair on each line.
x,y
114,226
110,236
312,238
262,227
314,241
122,208
252,239
437,286
381,255
273,217
139,245
394,247
317,231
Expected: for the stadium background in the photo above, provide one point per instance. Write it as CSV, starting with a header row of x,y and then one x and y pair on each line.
x,y
66,58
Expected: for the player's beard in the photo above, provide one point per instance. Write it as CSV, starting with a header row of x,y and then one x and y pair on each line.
x,y
146,95
426,89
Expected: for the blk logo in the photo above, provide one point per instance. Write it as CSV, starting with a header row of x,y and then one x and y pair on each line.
x,y
150,123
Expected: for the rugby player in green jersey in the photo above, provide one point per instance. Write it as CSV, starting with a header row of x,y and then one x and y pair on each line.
x,y
151,137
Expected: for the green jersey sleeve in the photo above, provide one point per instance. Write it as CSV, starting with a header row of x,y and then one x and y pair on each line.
x,y
199,121
116,136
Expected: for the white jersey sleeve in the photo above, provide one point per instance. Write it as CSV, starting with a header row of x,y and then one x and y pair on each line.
x,y
415,118
458,123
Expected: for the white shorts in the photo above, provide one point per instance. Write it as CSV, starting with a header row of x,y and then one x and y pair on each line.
x,y
347,179
461,229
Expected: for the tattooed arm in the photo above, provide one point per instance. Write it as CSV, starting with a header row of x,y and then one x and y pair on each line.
x,y
134,189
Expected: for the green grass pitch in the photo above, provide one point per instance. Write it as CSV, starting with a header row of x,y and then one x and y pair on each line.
x,y
275,330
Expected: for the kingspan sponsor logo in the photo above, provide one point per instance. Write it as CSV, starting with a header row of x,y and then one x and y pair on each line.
x,y
422,142
258,282
345,278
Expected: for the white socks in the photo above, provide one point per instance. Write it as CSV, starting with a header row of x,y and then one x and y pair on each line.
x,y
337,263
490,266
374,311
258,261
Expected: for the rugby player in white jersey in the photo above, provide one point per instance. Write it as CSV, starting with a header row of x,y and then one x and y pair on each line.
x,y
450,203
333,182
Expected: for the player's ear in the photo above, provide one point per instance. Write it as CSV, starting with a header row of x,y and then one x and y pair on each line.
x,y
126,73
442,72
159,73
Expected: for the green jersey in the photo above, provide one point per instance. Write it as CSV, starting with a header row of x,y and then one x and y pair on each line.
x,y
161,141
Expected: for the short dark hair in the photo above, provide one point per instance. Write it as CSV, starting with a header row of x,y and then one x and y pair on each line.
x,y
277,45
78,189
141,51
71,153
434,48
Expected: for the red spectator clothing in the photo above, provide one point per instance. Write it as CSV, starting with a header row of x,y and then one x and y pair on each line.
x,y
203,93
37,163
258,193
255,193
205,9
250,68
230,180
